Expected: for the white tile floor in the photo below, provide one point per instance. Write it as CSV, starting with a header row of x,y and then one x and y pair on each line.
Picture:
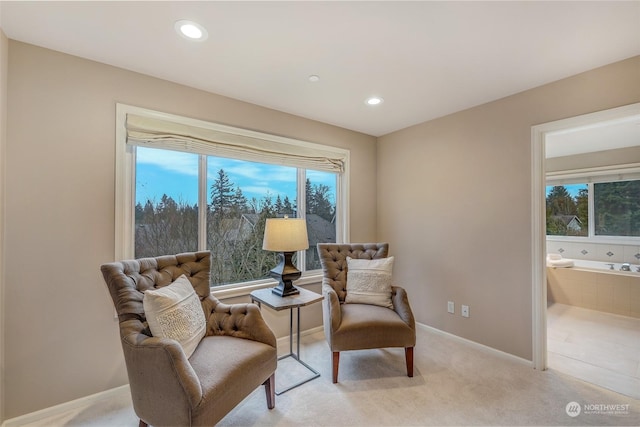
x,y
597,347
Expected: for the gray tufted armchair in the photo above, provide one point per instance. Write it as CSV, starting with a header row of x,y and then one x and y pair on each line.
x,y
237,354
362,326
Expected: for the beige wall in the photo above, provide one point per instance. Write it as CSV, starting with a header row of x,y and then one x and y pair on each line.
x,y
3,134
61,336
454,201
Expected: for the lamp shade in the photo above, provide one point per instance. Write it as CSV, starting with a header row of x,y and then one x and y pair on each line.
x,y
285,235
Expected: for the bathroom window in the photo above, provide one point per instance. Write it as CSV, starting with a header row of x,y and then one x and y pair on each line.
x,y
617,208
603,209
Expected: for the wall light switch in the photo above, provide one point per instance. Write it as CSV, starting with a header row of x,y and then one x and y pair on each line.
x,y
451,307
465,311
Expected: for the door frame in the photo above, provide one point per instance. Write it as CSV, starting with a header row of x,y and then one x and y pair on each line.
x,y
538,216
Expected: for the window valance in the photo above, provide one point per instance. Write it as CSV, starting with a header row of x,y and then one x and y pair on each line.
x,y
225,141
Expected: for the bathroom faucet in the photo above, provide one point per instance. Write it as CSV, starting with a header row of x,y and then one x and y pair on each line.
x,y
625,267
610,266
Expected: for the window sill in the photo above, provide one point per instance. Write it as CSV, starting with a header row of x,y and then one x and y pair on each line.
x,y
605,240
244,289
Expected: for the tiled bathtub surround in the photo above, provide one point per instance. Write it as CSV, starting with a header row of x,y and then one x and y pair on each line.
x,y
603,291
604,252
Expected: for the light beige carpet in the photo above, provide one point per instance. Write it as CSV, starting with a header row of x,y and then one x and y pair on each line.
x,y
455,383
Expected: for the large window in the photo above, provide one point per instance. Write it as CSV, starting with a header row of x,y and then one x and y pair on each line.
x,y
186,199
606,209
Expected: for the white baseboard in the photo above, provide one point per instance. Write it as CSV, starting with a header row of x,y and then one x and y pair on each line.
x,y
283,344
483,347
76,404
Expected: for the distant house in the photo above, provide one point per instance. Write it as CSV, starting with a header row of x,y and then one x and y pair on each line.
x,y
572,222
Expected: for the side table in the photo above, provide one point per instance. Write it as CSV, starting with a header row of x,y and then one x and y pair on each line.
x,y
278,303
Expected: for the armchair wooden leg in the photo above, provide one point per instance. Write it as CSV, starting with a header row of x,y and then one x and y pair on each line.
x,y
408,355
336,362
270,390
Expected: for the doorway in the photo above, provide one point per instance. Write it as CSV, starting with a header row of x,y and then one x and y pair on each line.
x,y
540,136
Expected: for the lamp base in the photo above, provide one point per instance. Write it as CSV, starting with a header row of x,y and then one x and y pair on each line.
x,y
285,273
285,291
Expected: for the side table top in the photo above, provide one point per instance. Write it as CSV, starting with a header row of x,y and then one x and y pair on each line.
x,y
267,297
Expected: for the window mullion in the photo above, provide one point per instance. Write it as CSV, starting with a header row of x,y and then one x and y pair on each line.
x,y
202,202
591,210
301,210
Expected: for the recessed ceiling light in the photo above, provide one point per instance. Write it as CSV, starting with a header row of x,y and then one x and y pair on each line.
x,y
191,30
374,100
314,78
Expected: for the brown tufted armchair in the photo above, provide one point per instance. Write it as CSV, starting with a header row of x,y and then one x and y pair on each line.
x,y
362,326
237,354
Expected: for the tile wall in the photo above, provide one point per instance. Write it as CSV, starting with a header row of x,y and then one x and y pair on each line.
x,y
595,251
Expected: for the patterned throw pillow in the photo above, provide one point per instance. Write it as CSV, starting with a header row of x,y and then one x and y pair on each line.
x,y
175,312
369,281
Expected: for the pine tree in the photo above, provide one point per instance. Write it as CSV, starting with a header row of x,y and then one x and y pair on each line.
x,y
287,207
279,206
560,201
239,201
308,191
222,195
582,210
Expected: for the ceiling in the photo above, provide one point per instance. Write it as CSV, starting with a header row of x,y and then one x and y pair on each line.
x,y
425,59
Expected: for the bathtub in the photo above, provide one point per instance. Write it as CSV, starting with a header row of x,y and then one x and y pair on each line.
x,y
594,285
607,267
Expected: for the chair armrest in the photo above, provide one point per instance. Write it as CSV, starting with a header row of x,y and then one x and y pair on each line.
x,y
237,320
158,370
401,305
331,309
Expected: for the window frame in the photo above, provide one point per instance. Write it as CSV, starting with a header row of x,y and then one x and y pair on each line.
x,y
125,183
591,176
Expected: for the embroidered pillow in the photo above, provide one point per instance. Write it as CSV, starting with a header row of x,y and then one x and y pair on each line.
x,y
175,312
369,281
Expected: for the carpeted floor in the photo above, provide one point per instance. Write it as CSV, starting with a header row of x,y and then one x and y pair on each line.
x,y
455,383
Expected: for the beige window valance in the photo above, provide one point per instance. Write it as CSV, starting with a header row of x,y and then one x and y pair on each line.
x,y
223,141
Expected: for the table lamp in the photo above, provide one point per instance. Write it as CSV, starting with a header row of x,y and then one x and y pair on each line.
x,y
286,236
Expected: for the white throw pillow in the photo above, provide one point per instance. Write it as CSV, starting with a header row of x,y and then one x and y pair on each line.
x,y
369,281
175,312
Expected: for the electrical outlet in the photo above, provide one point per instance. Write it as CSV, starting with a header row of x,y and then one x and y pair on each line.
x,y
465,311
451,307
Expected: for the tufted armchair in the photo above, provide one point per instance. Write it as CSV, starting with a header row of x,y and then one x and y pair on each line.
x,y
362,326
237,354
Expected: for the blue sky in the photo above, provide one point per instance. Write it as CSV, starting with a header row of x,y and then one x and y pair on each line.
x,y
175,173
573,189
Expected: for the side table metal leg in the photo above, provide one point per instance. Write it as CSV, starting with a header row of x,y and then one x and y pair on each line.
x,y
291,331
298,336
